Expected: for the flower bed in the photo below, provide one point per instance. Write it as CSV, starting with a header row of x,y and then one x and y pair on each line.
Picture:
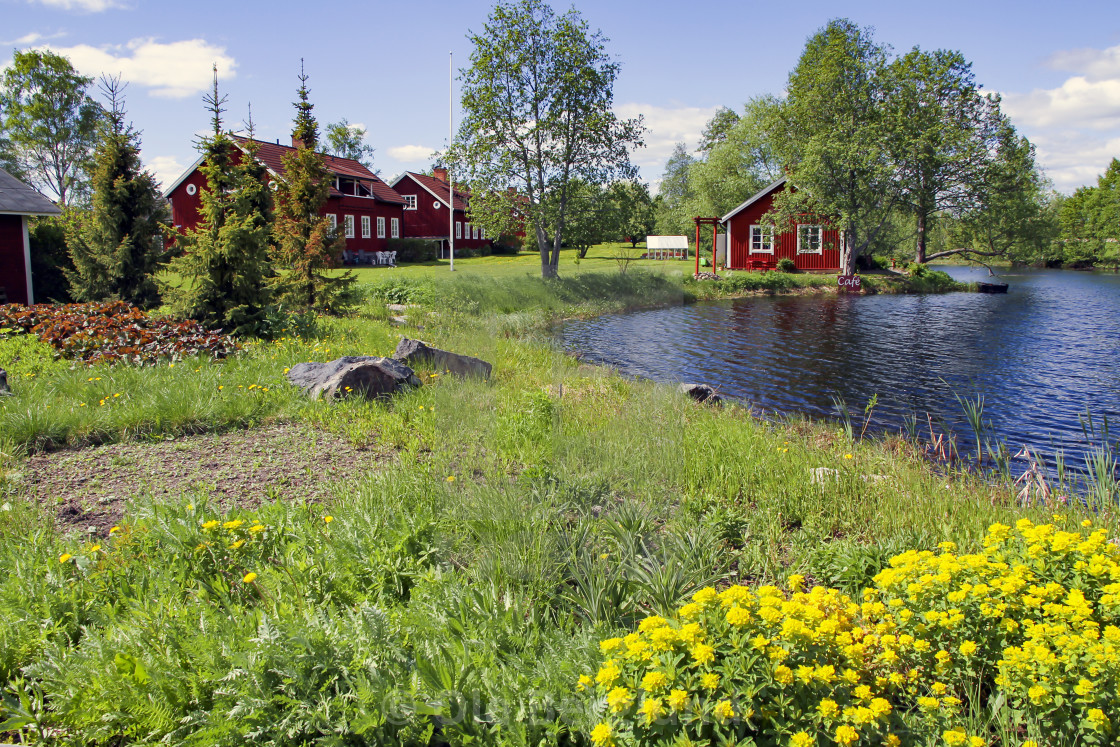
x,y
1021,639
114,332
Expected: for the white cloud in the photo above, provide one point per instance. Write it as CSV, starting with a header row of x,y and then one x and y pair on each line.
x,y
33,38
85,6
172,70
1076,126
666,127
411,152
166,169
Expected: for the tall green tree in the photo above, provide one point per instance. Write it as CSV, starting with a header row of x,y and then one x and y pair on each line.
x,y
224,265
349,141
537,101
676,193
830,134
307,244
941,130
1090,222
632,211
49,123
118,247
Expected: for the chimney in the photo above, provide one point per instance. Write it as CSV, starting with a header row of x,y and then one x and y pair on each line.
x,y
440,174
296,142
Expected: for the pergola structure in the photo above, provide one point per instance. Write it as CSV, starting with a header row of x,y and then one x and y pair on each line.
x,y
714,222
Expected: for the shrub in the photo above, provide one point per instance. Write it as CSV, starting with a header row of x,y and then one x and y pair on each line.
x,y
785,264
114,332
414,250
506,245
1032,622
26,355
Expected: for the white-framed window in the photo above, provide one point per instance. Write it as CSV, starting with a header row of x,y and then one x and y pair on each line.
x,y
475,231
332,219
482,233
394,228
458,230
348,225
466,230
809,239
409,202
762,239
380,227
365,227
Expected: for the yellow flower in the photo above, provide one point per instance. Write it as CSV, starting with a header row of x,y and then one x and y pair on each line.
x,y
256,528
602,735
64,557
451,478
328,519
654,681
677,699
114,530
584,682
94,548
619,699
976,742
738,616
250,577
797,581
802,739
236,545
783,675
608,673
846,734
847,456
968,648
652,709
892,741
1098,719
705,596
210,524
710,681
723,711
234,524
609,645
828,708
954,737
703,653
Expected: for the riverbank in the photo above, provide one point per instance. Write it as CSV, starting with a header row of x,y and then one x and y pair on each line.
x,y
502,530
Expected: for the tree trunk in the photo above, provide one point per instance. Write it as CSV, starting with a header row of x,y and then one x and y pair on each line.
x,y
547,269
923,226
847,252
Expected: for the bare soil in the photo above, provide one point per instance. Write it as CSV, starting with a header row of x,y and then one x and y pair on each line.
x,y
92,487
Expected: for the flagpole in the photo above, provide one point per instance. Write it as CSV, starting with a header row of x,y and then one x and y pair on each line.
x,y
450,139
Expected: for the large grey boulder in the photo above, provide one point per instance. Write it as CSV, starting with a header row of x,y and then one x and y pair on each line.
x,y
701,393
365,375
418,353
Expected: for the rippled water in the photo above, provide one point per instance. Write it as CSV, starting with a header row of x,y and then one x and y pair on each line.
x,y
1043,354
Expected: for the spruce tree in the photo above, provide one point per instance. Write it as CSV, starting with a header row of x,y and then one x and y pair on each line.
x,y
225,265
307,244
118,246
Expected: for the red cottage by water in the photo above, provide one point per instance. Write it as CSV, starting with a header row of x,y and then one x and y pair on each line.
x,y
18,202
752,245
426,206
366,210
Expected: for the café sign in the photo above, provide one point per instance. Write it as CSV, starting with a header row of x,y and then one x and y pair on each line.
x,y
848,281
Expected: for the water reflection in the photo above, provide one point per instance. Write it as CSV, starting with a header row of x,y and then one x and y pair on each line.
x,y
1040,355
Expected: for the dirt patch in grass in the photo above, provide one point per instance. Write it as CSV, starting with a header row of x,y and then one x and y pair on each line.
x,y
92,487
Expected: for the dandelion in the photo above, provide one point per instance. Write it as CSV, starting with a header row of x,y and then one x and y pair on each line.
x,y
328,519
451,478
249,578
236,545
94,548
233,524
208,525
114,530
64,557
847,456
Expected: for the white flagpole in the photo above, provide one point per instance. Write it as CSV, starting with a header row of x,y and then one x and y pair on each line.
x,y
450,139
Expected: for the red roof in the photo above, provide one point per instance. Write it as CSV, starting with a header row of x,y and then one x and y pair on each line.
x,y
439,188
272,154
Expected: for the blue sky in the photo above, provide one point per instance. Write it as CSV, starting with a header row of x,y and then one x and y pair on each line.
x,y
385,64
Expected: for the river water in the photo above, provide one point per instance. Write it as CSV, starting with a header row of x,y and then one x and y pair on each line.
x,y
1042,355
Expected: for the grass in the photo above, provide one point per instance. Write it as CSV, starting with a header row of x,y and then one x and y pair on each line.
x,y
454,595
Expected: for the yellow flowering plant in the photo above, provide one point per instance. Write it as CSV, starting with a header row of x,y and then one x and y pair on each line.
x,y
1033,619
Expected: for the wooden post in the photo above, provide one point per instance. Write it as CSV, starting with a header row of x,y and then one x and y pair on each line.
x,y
715,229
697,245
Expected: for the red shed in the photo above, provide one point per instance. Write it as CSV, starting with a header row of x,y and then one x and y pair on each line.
x,y
813,245
426,205
366,210
18,202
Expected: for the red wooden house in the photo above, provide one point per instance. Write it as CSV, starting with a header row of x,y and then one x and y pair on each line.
x,y
813,245
367,212
18,202
426,206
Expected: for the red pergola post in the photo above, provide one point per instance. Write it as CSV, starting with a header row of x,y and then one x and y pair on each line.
x,y
697,245
715,229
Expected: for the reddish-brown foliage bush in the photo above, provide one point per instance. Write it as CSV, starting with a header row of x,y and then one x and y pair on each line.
x,y
114,332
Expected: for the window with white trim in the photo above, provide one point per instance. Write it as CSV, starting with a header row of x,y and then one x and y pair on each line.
x,y
482,232
458,230
809,239
762,239
380,227
475,231
348,225
409,202
333,220
394,228
365,227
466,230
